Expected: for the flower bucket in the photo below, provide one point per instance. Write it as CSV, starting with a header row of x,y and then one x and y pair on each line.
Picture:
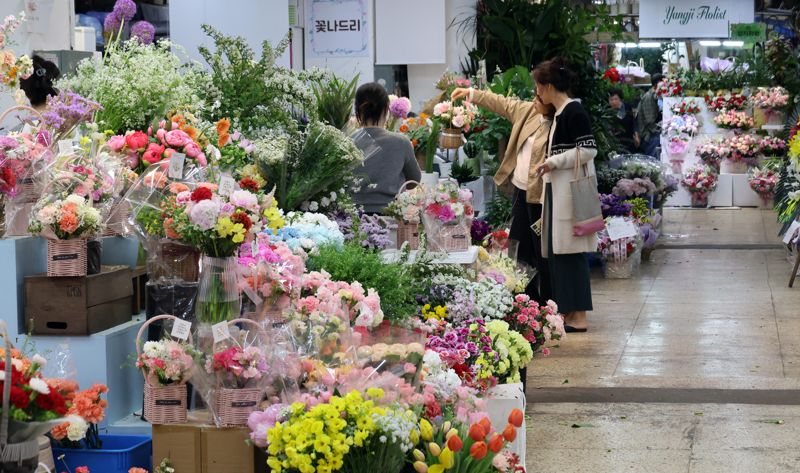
x,y
699,200
234,406
768,116
451,138
119,454
162,404
66,258
734,167
218,297
407,233
618,269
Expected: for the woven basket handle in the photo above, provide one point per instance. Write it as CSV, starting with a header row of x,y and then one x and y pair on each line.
x,y
20,107
6,388
65,176
404,187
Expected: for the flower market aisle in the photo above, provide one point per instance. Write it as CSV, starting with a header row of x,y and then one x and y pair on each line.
x,y
695,364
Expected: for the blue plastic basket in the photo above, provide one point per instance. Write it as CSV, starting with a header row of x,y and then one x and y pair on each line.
x,y
119,454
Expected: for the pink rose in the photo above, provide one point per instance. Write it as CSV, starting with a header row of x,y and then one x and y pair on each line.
x,y
201,160
153,153
136,140
116,143
161,135
192,149
177,138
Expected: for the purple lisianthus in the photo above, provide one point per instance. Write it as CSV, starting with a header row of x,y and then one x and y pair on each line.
x,y
479,231
144,31
125,9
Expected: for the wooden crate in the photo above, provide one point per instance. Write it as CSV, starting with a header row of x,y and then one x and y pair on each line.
x,y
78,305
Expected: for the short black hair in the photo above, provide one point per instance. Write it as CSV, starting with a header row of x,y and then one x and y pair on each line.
x,y
39,85
656,79
615,91
372,103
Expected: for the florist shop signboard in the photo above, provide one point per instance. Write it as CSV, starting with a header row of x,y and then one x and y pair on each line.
x,y
692,18
337,28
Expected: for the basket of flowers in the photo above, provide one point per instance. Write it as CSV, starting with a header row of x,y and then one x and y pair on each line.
x,y
455,120
406,208
448,218
700,181
621,258
769,104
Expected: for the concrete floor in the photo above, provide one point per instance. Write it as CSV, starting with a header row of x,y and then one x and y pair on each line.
x,y
684,365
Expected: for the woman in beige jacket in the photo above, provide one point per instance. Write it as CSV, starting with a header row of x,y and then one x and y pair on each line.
x,y
526,149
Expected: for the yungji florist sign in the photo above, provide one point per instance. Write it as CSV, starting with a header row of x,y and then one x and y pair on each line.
x,y
692,18
337,28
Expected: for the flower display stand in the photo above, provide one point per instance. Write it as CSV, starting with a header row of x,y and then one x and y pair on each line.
x,y
500,400
744,195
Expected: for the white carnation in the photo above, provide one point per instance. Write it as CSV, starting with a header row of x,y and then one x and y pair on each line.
x,y
77,428
39,385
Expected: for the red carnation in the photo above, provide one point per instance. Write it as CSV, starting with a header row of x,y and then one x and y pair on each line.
x,y
7,180
201,193
249,184
53,401
241,217
19,398
432,410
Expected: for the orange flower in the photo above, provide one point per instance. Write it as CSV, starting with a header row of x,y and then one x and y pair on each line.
x,y
157,180
515,418
59,432
70,207
66,387
486,424
478,450
178,187
223,126
510,433
403,128
476,432
192,132
454,443
496,444
414,143
69,223
169,230
423,117
223,139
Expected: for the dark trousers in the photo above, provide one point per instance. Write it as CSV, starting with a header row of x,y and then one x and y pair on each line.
x,y
529,251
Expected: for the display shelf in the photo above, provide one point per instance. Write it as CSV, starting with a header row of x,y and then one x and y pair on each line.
x,y
722,197
458,257
744,195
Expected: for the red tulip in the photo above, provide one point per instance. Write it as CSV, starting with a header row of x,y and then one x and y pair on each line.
x,y
454,443
515,418
496,444
510,433
476,432
478,450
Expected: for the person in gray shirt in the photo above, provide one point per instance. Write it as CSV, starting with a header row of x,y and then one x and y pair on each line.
x,y
386,169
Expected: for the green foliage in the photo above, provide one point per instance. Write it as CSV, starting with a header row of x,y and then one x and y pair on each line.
x,y
463,173
608,177
498,211
471,149
431,145
335,99
257,95
393,281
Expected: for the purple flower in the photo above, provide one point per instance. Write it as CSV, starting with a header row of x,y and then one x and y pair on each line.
x,y
472,347
400,107
67,109
125,9
479,231
8,143
144,31
112,23
614,206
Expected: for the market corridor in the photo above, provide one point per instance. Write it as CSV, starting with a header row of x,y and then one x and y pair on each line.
x,y
692,366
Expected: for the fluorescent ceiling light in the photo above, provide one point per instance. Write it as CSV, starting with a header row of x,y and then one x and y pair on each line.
x,y
630,45
710,43
650,44
619,45
733,44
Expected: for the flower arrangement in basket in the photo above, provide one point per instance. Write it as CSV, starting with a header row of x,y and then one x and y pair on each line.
x,y
406,208
273,276
744,149
734,120
712,152
763,182
686,107
725,101
621,256
35,405
772,146
12,68
669,87
166,365
447,217
236,369
539,324
454,120
681,125
700,181
66,224
773,98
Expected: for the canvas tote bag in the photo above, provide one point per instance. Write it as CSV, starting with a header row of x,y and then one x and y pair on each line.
x,y
586,208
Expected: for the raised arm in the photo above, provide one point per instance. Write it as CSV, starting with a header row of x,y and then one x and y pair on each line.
x,y
508,108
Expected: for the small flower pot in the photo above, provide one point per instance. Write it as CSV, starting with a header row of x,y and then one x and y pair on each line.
x,y
451,138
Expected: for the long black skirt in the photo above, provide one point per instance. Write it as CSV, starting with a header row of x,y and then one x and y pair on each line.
x,y
569,273
530,245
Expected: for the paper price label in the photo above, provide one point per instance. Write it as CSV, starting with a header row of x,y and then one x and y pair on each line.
x,y
619,228
181,329
221,331
789,236
64,147
226,185
176,165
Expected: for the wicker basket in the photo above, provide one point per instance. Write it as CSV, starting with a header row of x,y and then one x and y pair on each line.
x,y
451,138
408,232
115,224
66,258
162,404
175,260
453,238
234,406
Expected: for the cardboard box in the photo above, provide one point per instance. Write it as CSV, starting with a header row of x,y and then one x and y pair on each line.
x,y
201,447
78,305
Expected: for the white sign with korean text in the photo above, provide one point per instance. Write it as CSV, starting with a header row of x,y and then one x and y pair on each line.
x,y
692,18
338,28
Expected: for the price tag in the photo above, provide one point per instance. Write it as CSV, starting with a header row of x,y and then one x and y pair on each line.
x,y
249,292
176,165
221,331
226,185
790,233
64,147
181,329
619,228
